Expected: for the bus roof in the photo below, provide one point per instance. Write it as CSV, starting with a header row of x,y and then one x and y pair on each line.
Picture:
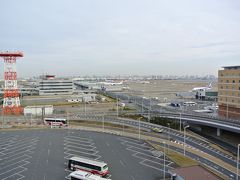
x,y
90,161
86,175
55,119
79,173
190,102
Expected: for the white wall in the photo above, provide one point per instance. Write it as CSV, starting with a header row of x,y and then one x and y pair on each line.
x,y
37,110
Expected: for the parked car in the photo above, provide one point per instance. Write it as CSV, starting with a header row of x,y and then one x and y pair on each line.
x,y
157,130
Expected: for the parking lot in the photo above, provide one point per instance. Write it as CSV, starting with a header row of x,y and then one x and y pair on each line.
x,y
16,151
43,154
147,155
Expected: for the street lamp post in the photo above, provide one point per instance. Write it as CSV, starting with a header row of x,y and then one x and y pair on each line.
x,y
103,122
85,109
2,119
123,127
168,135
149,110
180,122
117,106
31,120
238,161
139,128
164,175
184,139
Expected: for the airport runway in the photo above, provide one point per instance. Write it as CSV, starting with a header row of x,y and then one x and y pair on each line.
x,y
42,154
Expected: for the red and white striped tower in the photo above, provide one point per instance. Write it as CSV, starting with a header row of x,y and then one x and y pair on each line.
x,y
11,102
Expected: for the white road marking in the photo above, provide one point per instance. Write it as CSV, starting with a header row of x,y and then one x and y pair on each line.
x,y
122,163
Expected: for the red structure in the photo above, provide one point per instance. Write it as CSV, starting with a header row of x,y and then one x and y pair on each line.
x,y
11,102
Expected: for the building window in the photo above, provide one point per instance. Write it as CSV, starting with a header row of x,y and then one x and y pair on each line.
x,y
227,81
233,81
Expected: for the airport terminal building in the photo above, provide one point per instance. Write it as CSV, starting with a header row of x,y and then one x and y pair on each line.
x,y
229,92
49,85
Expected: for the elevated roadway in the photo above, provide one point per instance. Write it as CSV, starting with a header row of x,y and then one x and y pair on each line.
x,y
150,108
176,137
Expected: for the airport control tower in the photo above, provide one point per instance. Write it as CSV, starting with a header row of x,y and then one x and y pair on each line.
x,y
11,102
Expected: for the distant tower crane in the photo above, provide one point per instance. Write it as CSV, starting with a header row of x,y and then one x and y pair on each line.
x,y
11,102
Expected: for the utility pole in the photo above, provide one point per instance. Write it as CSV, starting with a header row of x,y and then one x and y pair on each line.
x,y
117,106
180,119
139,128
168,135
85,108
149,110
184,151
238,161
164,168
103,122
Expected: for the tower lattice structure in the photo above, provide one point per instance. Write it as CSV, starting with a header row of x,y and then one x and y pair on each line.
x,y
11,102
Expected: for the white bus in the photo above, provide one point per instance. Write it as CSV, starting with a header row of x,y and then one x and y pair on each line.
x,y
95,167
189,103
55,122
83,175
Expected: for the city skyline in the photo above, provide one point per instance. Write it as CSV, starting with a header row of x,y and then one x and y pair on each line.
x,y
69,38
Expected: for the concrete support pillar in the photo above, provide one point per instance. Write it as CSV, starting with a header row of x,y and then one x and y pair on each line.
x,y
218,132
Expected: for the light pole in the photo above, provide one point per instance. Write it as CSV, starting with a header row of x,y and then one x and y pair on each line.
x,y
149,110
123,127
164,175
85,109
2,119
180,119
185,138
117,106
31,120
139,128
238,160
103,122
168,134
68,121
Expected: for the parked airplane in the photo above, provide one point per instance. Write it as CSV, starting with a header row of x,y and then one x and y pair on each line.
x,y
111,83
203,88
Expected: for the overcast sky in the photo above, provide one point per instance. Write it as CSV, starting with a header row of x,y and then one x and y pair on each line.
x,y
121,37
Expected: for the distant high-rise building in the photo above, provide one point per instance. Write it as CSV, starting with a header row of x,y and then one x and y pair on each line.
x,y
229,92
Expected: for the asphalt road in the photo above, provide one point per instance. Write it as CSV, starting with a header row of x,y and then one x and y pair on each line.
x,y
42,154
201,144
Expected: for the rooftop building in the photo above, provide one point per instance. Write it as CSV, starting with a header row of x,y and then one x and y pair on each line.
x,y
49,85
229,92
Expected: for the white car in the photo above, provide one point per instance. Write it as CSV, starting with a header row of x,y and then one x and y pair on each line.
x,y
157,130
